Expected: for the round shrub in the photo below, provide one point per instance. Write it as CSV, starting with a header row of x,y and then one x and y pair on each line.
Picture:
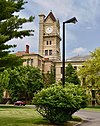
x,y
58,103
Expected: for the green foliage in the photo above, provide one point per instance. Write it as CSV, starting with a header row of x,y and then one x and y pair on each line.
x,y
10,60
58,103
91,74
4,79
23,81
49,77
71,75
11,27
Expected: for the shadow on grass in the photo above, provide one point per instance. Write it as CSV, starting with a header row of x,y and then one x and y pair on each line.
x,y
76,118
11,121
29,122
28,118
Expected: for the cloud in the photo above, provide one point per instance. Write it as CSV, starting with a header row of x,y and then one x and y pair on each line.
x,y
88,28
79,50
87,13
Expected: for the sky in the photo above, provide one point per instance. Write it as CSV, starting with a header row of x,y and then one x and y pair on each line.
x,y
81,38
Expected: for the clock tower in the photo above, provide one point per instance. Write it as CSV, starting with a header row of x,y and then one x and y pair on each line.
x,y
49,37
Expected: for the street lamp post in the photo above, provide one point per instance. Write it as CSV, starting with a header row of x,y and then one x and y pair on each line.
x,y
72,20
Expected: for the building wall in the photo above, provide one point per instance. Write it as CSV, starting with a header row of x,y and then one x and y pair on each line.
x,y
47,66
46,38
58,66
44,64
34,60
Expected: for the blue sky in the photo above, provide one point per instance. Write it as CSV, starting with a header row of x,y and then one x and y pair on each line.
x,y
81,38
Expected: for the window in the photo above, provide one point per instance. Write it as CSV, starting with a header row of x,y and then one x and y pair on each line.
x,y
42,67
93,93
50,43
75,67
39,62
27,62
47,42
31,62
50,52
46,52
61,70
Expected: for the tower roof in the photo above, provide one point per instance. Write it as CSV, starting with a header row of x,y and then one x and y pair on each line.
x,y
51,16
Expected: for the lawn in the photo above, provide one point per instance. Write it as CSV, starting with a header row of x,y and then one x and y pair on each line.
x,y
24,116
20,116
28,116
93,108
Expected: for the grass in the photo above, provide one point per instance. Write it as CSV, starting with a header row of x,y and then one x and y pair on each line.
x,y
28,116
20,116
93,108
24,116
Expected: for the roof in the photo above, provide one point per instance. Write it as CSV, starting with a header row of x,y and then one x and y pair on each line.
x,y
21,53
79,58
51,16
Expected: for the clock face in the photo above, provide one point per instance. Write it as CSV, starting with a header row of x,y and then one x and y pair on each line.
x,y
49,29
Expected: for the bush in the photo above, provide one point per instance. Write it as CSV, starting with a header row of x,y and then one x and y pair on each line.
x,y
58,103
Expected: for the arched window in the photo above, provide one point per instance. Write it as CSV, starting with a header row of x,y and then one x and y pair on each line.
x,y
47,42
50,42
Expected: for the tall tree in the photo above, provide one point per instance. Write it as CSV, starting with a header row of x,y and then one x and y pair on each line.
x,y
71,75
11,27
90,73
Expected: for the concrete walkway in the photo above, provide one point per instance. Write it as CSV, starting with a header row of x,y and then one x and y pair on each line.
x,y
90,118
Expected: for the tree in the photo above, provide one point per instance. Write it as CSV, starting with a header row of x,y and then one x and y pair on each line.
x,y
11,60
23,82
4,79
71,75
10,27
49,77
57,103
90,73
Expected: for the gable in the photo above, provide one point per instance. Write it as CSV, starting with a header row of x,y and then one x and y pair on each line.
x,y
50,18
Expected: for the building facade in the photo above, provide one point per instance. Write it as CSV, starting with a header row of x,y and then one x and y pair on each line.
x,y
49,48
49,37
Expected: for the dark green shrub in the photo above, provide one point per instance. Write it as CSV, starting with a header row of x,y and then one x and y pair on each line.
x,y
58,103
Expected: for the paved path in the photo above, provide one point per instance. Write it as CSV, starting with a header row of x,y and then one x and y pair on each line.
x,y
90,118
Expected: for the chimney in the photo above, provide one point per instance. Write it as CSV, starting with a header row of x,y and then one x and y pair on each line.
x,y
42,17
27,48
